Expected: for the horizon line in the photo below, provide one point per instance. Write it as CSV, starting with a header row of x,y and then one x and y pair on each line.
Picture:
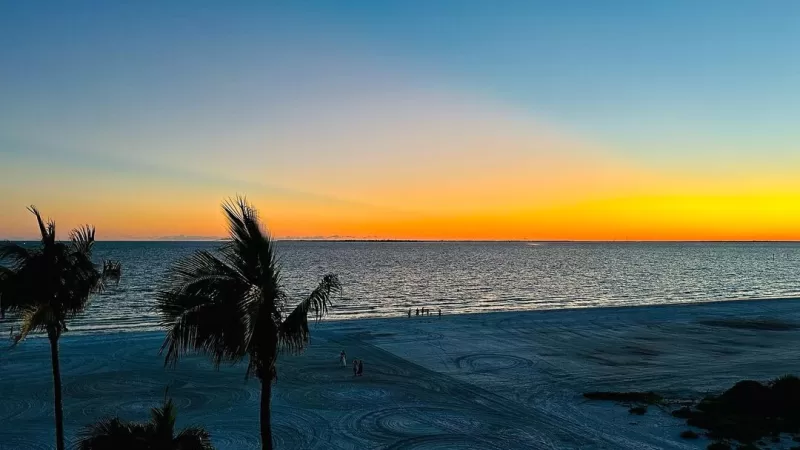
x,y
354,240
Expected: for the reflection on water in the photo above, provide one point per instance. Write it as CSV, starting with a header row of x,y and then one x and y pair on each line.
x,y
387,278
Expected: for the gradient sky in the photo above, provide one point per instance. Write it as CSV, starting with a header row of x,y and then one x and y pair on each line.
x,y
427,119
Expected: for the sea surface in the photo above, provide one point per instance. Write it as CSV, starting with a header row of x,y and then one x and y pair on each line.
x,y
386,279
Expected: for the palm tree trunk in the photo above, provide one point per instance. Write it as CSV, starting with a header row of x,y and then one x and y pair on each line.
x,y
53,335
266,411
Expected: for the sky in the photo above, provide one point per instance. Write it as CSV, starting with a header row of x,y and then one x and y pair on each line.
x,y
414,119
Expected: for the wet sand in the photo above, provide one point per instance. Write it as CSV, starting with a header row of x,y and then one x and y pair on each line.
x,y
483,381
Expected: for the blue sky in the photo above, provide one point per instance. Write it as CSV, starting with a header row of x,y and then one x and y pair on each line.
x,y
276,93
721,72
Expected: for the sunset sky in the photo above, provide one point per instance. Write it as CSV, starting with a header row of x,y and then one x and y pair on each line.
x,y
584,120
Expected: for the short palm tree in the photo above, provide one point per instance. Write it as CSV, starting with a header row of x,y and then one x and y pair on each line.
x,y
47,285
157,434
230,304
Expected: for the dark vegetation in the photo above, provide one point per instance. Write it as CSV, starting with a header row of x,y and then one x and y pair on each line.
x,y
158,433
689,434
231,305
647,398
638,410
749,411
46,285
636,401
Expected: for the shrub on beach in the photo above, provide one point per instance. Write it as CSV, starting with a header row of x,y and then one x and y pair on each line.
x,y
648,398
749,410
689,434
638,410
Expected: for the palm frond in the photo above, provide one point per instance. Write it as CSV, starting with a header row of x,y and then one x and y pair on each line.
x,y
193,438
293,331
83,239
81,279
162,420
112,433
243,223
47,230
23,285
37,319
250,248
14,254
204,308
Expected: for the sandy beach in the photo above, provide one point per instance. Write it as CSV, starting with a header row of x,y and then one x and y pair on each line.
x,y
480,381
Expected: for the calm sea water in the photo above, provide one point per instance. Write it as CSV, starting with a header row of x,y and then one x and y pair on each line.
x,y
386,279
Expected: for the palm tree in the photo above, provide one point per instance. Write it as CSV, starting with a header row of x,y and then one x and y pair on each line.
x,y
230,304
158,434
5,274
49,284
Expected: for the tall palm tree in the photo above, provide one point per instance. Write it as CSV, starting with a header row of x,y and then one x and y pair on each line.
x,y
5,274
158,434
47,285
230,304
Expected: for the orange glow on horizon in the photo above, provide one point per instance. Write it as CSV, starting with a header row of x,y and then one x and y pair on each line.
x,y
637,218
462,174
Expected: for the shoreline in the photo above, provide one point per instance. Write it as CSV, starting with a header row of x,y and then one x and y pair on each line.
x,y
329,322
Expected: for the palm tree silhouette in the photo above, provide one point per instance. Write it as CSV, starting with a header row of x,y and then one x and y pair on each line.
x,y
48,285
230,305
158,434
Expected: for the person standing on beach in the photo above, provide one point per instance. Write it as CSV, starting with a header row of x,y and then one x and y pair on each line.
x,y
355,367
343,358
417,312
409,313
360,367
440,312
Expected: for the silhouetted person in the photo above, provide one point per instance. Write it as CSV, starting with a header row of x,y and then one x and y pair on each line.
x,y
360,367
417,312
355,367
409,313
440,312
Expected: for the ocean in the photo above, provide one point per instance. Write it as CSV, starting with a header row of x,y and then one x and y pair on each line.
x,y
385,279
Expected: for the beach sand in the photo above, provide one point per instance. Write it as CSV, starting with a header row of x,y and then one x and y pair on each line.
x,y
482,381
